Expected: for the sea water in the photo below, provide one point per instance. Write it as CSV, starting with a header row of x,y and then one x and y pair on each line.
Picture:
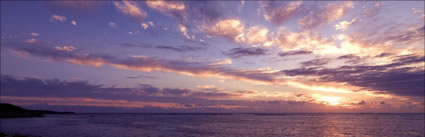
x,y
218,125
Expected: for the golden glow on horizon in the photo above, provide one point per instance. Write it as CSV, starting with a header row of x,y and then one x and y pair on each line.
x,y
329,100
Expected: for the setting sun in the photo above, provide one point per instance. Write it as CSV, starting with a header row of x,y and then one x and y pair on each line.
x,y
333,101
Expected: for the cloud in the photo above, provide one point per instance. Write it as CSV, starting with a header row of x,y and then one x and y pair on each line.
x,y
175,9
180,48
306,40
183,30
293,53
368,42
30,91
316,62
234,30
142,77
205,11
34,87
398,77
256,35
408,36
112,24
227,28
222,62
148,64
65,48
372,12
362,102
279,13
342,74
146,25
131,9
416,11
240,52
32,40
352,59
74,23
34,34
373,40
327,15
57,18
343,25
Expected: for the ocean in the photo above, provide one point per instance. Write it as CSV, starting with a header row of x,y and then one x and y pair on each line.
x,y
218,125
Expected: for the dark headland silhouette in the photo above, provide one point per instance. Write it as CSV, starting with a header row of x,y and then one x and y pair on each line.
x,y
12,111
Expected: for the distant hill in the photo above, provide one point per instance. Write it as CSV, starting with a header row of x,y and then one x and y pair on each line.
x,y
12,111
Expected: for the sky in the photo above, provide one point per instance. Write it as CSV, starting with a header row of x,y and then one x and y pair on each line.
x,y
214,56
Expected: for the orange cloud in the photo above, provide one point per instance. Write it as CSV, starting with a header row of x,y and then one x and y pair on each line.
x,y
281,14
31,41
146,25
65,48
222,62
78,101
331,13
256,35
74,23
183,30
170,8
343,25
131,9
55,18
227,28
306,40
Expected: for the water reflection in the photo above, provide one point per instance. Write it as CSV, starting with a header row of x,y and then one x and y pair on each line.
x,y
326,125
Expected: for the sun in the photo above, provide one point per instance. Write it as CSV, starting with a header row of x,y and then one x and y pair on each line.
x,y
333,101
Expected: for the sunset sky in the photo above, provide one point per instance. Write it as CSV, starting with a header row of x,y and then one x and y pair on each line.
x,y
213,56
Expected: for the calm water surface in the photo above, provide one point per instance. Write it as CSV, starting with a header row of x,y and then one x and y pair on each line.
x,y
236,125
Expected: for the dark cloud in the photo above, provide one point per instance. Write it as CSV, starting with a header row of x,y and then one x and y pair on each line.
x,y
350,58
21,90
293,53
142,77
384,55
240,52
191,108
316,62
149,90
180,48
12,86
34,87
176,92
213,94
395,78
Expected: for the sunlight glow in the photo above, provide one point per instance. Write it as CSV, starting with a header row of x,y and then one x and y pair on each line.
x,y
329,100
